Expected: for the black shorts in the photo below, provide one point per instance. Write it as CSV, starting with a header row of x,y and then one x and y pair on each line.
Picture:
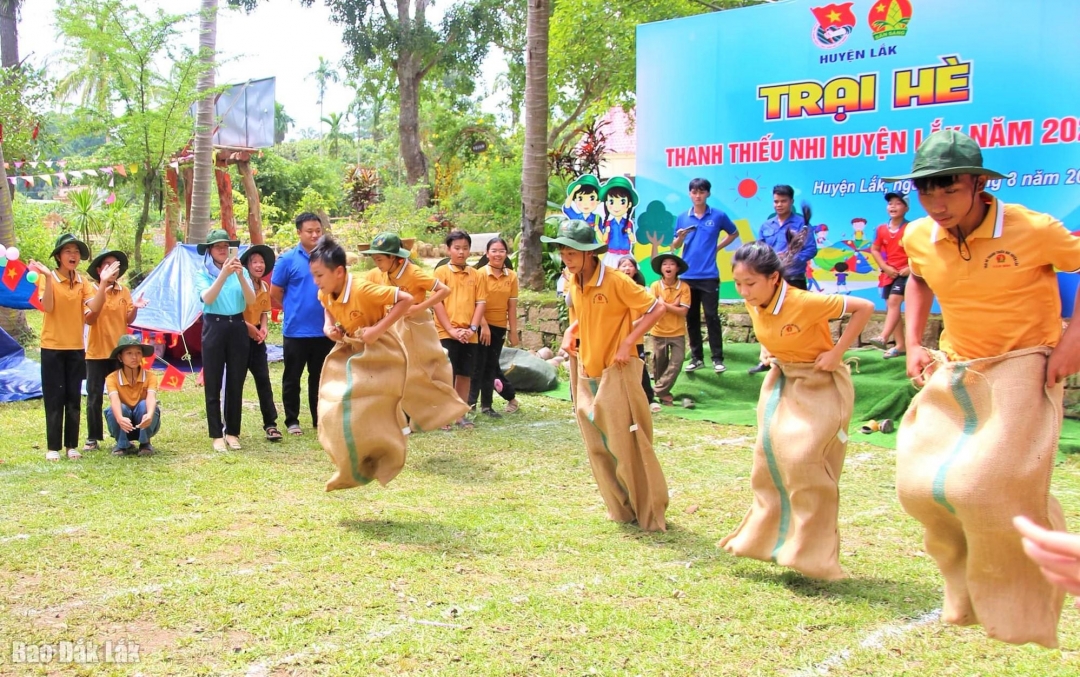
x,y
462,356
894,288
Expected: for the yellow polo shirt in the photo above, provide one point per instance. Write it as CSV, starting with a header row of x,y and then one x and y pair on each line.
x,y
254,312
671,325
466,291
131,392
794,326
1005,297
606,307
111,322
416,281
375,276
362,304
499,292
62,329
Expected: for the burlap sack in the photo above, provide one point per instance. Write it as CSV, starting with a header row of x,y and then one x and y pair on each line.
x,y
975,449
361,425
616,424
430,399
803,416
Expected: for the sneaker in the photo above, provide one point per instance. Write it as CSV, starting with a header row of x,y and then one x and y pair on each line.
x,y
758,368
655,407
694,365
719,367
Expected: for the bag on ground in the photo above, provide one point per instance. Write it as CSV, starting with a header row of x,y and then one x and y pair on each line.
x,y
976,448
527,372
803,416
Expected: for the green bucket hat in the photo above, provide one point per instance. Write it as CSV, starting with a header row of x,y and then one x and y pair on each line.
x,y
585,181
267,254
129,341
66,239
389,244
659,259
576,235
121,257
215,236
947,153
619,182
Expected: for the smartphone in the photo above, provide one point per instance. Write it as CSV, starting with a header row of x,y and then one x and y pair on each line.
x,y
233,251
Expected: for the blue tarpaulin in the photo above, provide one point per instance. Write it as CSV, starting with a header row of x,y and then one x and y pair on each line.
x,y
20,378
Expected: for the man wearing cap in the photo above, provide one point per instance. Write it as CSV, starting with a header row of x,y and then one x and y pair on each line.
x,y
610,405
303,343
669,334
889,253
111,310
697,232
258,260
133,408
977,445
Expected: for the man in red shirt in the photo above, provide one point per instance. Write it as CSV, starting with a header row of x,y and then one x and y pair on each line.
x,y
889,253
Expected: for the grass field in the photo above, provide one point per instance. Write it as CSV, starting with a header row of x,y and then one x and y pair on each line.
x,y
489,555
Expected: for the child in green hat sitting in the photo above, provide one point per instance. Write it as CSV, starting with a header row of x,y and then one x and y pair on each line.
x,y
133,409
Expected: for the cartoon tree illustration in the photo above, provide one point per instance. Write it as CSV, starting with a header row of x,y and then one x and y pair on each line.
x,y
656,225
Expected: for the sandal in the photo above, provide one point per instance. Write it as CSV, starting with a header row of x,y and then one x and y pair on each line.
x,y
273,434
219,444
512,406
465,424
488,411
233,441
892,352
91,445
52,455
121,451
878,343
654,407
295,429
667,401
73,454
146,450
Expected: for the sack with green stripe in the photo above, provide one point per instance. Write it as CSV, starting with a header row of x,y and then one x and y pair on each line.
x,y
616,425
975,449
803,416
361,425
430,400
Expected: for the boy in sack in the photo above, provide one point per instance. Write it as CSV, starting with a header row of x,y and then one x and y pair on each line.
x,y
361,424
133,410
669,333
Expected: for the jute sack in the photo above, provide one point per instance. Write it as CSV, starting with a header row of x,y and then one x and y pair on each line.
x,y
430,399
975,449
616,424
361,425
803,416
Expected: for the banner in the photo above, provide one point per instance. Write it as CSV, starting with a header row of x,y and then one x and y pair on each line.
x,y
831,97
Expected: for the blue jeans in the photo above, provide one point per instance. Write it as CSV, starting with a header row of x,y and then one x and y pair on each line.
x,y
133,414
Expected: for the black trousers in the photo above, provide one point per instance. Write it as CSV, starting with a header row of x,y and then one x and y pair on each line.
x,y
488,369
704,294
260,371
646,382
62,373
301,353
96,371
225,356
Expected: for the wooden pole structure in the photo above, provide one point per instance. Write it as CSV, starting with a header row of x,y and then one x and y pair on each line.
x,y
251,191
224,188
172,207
188,173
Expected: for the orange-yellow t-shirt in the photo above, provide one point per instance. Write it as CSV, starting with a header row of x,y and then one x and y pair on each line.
x,y
62,329
500,291
671,325
794,326
131,392
111,322
254,312
361,305
1000,293
416,281
605,307
466,291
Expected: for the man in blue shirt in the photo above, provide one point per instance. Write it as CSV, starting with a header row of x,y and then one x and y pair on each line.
x,y
304,344
697,232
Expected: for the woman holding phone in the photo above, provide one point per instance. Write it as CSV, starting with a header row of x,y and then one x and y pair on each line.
x,y
225,290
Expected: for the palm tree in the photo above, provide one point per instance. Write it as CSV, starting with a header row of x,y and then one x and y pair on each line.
x,y
12,321
9,33
335,121
204,128
282,122
324,75
534,158
91,79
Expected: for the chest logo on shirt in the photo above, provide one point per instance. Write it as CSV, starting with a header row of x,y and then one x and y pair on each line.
x,y
1002,258
789,330
599,298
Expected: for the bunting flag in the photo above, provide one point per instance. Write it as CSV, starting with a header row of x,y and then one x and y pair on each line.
x,y
47,178
172,379
65,176
121,169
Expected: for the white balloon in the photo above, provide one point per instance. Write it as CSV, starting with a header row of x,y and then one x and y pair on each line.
x,y
12,253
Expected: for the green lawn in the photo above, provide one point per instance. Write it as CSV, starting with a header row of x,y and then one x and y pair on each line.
x,y
488,555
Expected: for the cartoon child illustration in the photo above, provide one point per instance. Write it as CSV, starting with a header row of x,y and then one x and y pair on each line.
x,y
841,270
617,229
811,282
858,224
583,199
821,234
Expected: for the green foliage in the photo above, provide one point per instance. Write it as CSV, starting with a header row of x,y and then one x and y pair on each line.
x,y
33,234
489,199
292,175
24,98
397,213
361,187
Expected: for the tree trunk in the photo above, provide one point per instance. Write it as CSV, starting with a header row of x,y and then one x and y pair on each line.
x,y
416,163
9,33
149,178
204,127
225,201
534,158
172,207
251,192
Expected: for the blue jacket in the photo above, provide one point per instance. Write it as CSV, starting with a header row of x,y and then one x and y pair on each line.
x,y
774,234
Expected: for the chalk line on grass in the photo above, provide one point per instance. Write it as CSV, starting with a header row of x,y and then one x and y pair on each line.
x,y
873,642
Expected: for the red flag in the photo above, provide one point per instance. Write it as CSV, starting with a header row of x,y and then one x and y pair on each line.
x,y
34,300
837,14
148,362
14,273
173,379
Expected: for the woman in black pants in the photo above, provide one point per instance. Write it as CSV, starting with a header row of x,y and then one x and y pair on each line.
x,y
63,296
226,291
498,324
